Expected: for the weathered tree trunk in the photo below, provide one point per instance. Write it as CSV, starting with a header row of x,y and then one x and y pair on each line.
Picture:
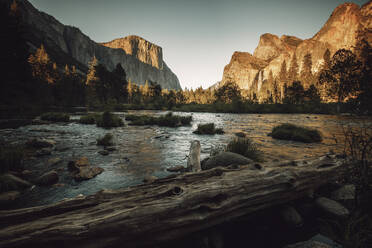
x,y
193,161
164,210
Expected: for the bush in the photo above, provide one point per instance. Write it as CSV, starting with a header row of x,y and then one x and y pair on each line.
x,y
11,158
296,133
56,117
89,119
168,120
109,120
208,128
246,147
105,140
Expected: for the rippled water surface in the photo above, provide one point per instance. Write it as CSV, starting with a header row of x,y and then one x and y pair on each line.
x,y
150,150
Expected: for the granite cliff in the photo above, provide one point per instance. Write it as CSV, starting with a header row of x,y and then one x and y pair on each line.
x,y
252,72
141,59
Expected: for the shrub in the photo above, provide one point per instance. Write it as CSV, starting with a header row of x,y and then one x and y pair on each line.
x,y
109,120
296,133
11,158
246,147
105,140
208,128
89,119
168,120
56,117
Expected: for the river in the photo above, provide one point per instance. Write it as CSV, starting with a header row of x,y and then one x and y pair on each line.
x,y
150,150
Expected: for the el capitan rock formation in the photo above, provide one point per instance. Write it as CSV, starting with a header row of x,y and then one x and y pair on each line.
x,y
141,59
252,72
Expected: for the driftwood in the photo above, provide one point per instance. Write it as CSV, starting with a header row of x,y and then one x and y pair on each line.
x,y
166,209
193,161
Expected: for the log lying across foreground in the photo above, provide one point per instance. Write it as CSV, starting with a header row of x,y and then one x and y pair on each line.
x,y
166,209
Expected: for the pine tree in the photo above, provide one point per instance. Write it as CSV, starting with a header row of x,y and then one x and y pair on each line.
x,y
306,72
293,69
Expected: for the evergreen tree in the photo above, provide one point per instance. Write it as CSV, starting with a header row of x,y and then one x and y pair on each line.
x,y
306,72
293,69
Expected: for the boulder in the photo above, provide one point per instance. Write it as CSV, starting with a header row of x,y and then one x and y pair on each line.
x,y
104,153
8,197
150,179
225,159
43,152
179,168
331,207
240,134
81,162
309,244
290,216
61,148
345,193
87,172
12,182
48,178
54,161
40,143
110,148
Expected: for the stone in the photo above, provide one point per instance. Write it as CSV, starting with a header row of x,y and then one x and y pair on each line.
x,y
43,152
87,172
290,216
345,193
149,179
179,168
104,153
48,178
8,197
61,148
110,148
309,244
54,161
81,162
226,159
40,143
12,182
331,207
240,134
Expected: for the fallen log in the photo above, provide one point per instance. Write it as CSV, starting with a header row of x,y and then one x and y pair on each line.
x,y
166,209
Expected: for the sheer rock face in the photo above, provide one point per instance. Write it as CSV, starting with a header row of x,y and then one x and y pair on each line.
x,y
340,31
141,59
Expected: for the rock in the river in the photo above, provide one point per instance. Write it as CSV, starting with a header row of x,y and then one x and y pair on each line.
x,y
81,162
11,182
110,148
240,134
225,159
54,161
290,216
43,152
104,153
179,168
61,148
331,207
40,143
87,172
82,170
48,178
309,244
8,197
149,179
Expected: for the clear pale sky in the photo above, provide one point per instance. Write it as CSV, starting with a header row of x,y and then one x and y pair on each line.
x,y
198,37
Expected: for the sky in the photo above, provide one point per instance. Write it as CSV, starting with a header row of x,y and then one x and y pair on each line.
x,y
198,37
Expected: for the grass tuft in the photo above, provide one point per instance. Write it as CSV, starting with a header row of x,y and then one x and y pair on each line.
x,y
296,133
105,140
108,119
246,147
167,120
208,128
55,117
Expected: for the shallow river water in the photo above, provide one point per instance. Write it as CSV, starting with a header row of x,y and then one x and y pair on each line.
x,y
150,150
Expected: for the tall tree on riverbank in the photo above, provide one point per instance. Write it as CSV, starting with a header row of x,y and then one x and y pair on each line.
x,y
342,77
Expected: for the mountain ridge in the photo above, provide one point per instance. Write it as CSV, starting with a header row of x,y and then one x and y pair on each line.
x,y
68,45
